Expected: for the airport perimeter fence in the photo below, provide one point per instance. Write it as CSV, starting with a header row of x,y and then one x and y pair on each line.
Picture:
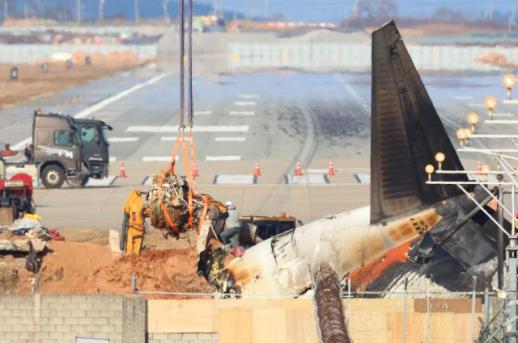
x,y
357,57
32,53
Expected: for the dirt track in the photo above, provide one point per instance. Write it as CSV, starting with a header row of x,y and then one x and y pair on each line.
x,y
33,83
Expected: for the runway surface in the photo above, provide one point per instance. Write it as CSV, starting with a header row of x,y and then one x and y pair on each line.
x,y
273,118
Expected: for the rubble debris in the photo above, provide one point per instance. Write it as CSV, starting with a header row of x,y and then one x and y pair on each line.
x,y
176,210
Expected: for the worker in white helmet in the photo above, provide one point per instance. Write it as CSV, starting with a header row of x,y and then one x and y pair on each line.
x,y
230,234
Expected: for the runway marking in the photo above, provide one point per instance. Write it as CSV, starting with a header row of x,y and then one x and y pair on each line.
x,y
235,180
511,101
172,138
105,182
202,113
463,97
230,139
158,158
100,105
307,179
122,139
242,113
248,96
222,158
363,178
205,129
245,103
476,105
497,114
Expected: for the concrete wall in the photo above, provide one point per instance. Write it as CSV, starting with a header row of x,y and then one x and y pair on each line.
x,y
62,318
369,320
31,53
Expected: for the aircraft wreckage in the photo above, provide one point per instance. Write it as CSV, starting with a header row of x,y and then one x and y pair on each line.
x,y
445,235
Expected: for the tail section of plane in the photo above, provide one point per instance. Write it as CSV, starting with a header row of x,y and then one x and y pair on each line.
x,y
406,133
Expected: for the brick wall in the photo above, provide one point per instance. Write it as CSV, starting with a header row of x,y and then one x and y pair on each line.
x,y
62,318
183,337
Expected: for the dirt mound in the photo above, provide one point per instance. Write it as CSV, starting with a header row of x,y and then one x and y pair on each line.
x,y
86,268
163,270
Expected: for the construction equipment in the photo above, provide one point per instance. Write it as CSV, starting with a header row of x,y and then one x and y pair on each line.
x,y
15,196
133,224
64,149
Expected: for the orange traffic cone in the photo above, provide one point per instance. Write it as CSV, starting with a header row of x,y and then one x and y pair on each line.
x,y
298,169
122,171
331,169
195,173
257,170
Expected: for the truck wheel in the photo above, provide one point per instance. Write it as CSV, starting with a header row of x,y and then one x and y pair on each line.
x,y
53,176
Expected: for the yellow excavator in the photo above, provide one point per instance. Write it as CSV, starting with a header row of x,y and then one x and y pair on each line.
x,y
133,224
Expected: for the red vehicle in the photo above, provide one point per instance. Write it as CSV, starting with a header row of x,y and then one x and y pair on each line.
x,y
15,196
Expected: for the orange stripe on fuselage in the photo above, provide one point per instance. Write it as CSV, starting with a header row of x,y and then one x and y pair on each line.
x,y
363,276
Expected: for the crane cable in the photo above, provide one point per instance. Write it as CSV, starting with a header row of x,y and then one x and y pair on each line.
x,y
188,152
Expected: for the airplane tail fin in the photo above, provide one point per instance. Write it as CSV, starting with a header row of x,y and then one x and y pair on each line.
x,y
406,133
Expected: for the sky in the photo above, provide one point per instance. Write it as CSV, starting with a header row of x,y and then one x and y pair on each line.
x,y
295,10
333,10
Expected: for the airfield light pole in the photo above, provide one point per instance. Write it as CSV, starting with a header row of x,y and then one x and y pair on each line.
x,y
508,81
490,103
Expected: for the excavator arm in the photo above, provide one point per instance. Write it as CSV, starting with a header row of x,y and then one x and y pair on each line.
x,y
133,224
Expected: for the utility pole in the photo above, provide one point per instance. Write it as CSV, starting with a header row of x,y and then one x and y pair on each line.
x,y
165,8
78,11
101,10
6,10
136,11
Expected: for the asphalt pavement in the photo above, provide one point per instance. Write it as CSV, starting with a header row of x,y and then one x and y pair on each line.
x,y
272,118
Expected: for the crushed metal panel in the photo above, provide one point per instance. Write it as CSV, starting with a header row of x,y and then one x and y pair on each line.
x,y
406,132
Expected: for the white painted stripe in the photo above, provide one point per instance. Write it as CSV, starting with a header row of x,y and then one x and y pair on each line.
x,y
105,182
222,158
498,114
248,96
122,139
234,180
230,139
158,158
204,129
316,171
172,138
307,179
100,105
242,113
245,103
511,101
463,97
202,113
363,178
113,159
476,105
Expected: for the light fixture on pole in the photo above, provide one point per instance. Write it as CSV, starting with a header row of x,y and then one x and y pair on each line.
x,y
490,103
429,169
472,118
508,81
440,157
460,134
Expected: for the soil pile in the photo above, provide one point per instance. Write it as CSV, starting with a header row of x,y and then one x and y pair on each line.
x,y
87,268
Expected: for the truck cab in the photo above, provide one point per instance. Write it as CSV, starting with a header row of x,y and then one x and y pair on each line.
x,y
68,149
96,153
